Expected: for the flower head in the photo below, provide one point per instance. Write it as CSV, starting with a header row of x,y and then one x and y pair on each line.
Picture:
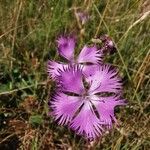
x,y
83,16
88,58
108,44
86,104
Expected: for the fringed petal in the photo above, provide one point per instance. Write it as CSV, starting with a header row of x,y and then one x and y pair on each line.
x,y
53,68
105,107
64,107
71,79
105,80
90,55
66,47
86,123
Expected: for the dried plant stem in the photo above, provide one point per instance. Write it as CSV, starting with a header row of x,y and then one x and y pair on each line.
x,y
23,88
142,71
17,13
101,19
10,30
6,138
142,65
144,16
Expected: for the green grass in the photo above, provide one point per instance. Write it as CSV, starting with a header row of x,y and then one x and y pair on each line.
x,y
28,31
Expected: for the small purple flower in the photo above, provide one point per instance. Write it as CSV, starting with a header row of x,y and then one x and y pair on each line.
x,y
83,16
86,104
108,44
88,58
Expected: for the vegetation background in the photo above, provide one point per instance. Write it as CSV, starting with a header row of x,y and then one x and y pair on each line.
x,y
28,31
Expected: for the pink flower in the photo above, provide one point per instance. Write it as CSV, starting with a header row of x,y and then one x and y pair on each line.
x,y
86,103
88,58
83,16
108,44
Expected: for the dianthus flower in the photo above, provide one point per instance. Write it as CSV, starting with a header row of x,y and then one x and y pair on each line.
x,y
108,44
88,58
83,16
86,103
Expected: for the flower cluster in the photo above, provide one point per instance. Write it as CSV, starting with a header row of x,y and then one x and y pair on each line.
x,y
87,91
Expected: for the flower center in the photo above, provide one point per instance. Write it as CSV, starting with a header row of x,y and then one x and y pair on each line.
x,y
86,95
